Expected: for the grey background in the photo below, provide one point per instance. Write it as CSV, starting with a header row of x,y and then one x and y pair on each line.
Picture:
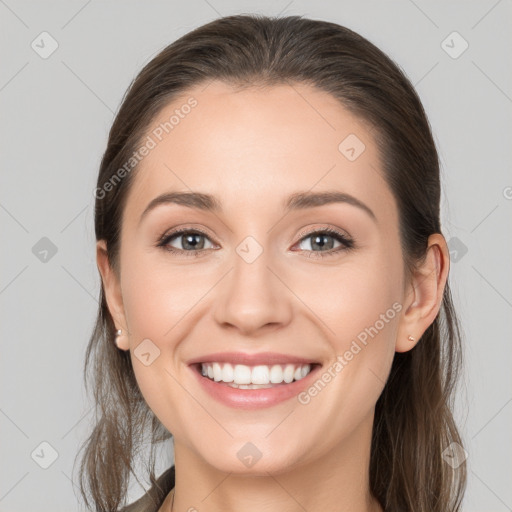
x,y
56,113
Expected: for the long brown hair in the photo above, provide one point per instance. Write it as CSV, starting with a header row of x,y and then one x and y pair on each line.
x,y
413,419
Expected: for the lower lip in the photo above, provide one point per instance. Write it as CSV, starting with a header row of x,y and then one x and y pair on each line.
x,y
254,398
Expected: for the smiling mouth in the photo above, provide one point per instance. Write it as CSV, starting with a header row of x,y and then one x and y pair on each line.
x,y
242,376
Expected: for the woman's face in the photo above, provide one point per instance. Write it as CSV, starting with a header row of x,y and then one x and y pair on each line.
x,y
255,277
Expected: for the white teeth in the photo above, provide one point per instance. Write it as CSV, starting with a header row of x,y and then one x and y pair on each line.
x,y
228,373
276,374
242,374
249,386
289,370
260,375
217,372
245,377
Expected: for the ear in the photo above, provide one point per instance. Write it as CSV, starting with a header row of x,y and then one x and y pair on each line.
x,y
112,290
424,295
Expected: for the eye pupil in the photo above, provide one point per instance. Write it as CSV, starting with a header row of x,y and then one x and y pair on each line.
x,y
190,241
319,241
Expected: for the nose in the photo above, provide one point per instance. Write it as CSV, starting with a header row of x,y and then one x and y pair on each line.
x,y
253,296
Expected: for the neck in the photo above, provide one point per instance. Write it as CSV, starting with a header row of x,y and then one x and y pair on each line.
x,y
336,481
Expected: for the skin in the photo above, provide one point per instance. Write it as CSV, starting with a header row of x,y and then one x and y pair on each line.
x,y
252,149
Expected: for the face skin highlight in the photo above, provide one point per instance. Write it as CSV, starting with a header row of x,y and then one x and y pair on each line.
x,y
252,150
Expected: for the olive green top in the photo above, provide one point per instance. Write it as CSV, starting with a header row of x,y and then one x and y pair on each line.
x,y
152,500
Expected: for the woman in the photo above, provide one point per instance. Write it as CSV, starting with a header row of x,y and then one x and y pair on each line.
x,y
274,281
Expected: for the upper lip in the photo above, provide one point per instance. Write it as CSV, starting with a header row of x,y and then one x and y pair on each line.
x,y
262,358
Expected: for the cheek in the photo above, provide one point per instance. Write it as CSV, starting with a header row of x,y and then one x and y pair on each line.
x,y
360,309
155,302
156,296
354,297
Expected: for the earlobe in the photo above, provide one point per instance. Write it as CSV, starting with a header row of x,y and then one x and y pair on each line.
x,y
112,291
425,294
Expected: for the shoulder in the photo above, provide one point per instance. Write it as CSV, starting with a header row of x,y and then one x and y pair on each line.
x,y
153,498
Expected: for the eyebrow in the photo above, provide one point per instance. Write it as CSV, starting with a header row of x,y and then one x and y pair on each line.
x,y
297,201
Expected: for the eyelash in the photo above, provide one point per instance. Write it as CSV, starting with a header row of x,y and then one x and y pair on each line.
x,y
347,243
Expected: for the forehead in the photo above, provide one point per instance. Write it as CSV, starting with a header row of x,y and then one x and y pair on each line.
x,y
252,147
